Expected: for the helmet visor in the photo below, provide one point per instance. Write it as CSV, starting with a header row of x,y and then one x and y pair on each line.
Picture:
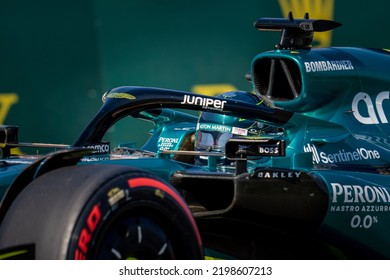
x,y
212,140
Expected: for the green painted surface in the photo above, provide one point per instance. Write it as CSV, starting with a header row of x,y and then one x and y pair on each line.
x,y
58,57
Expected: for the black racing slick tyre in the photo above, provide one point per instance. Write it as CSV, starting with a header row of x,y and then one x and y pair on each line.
x,y
101,212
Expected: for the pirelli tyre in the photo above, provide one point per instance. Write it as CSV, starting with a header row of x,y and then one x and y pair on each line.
x,y
101,212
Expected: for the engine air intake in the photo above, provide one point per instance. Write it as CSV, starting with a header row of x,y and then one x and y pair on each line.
x,y
277,78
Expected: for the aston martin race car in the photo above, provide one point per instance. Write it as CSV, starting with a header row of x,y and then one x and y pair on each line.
x,y
296,169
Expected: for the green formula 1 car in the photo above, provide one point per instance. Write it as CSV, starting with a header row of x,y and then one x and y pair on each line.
x,y
298,169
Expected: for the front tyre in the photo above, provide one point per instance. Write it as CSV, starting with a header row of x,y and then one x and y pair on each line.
x,y
101,212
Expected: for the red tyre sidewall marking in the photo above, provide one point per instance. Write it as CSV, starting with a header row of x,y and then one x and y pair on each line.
x,y
150,182
87,231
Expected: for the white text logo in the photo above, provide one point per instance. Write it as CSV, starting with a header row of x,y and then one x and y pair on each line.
x,y
326,65
341,155
359,194
204,102
372,117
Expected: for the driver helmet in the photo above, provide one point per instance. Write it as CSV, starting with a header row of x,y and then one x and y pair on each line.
x,y
213,130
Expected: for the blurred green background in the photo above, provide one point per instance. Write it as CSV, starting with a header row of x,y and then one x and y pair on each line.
x,y
57,58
